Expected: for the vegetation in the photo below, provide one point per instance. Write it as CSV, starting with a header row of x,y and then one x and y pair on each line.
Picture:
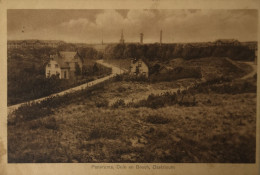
x,y
126,119
166,52
28,82
90,126
167,99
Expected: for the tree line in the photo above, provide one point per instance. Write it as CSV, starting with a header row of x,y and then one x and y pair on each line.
x,y
166,52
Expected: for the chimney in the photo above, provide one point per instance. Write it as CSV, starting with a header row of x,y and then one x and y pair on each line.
x,y
122,41
141,38
161,37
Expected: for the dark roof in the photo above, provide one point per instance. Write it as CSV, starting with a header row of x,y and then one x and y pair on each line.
x,y
62,63
68,56
64,58
227,40
143,60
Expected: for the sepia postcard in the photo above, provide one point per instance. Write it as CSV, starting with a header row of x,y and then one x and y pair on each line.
x,y
124,87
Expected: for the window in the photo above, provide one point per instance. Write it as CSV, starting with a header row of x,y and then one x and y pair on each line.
x,y
49,73
65,74
56,65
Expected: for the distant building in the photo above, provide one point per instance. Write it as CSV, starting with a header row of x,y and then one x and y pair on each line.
x,y
33,43
64,65
139,68
227,42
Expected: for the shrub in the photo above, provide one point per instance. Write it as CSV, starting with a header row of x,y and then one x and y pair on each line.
x,y
35,124
32,111
118,77
121,89
222,86
48,123
103,103
157,101
118,103
102,132
156,119
177,73
51,124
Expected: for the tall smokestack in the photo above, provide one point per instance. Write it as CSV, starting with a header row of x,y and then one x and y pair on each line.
x,y
122,41
161,37
141,38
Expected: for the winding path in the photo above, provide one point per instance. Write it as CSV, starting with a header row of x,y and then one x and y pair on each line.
x,y
115,71
251,74
250,63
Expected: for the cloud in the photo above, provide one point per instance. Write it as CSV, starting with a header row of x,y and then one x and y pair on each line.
x,y
177,25
75,23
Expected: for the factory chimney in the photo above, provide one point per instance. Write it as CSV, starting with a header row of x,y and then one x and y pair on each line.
x,y
161,37
122,41
141,38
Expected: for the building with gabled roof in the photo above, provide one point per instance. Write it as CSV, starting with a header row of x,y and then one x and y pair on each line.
x,y
227,42
139,68
64,65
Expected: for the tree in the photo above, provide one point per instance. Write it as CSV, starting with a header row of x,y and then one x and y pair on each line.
x,y
95,68
77,70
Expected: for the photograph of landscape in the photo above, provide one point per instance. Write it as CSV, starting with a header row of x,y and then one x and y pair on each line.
x,y
131,86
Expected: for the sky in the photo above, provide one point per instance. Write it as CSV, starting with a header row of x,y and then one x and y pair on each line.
x,y
91,26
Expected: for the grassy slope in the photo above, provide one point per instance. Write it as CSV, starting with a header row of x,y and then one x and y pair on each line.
x,y
213,67
221,128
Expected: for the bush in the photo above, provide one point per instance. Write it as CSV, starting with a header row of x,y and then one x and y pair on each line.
x,y
102,132
118,103
32,111
155,119
35,124
103,103
48,123
177,73
44,108
51,124
225,86
183,98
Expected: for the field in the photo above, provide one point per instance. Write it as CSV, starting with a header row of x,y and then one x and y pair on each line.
x,y
116,122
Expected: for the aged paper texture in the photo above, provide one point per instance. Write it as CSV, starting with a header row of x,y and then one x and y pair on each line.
x,y
140,87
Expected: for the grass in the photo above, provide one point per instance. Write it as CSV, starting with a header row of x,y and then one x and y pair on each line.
x,y
213,67
220,128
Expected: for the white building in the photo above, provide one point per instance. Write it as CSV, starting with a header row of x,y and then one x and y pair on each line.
x,y
139,68
63,65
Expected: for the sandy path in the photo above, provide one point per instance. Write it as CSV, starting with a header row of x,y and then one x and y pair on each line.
x,y
136,97
250,63
251,74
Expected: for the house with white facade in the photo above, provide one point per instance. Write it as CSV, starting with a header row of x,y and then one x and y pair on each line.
x,y
139,68
63,65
